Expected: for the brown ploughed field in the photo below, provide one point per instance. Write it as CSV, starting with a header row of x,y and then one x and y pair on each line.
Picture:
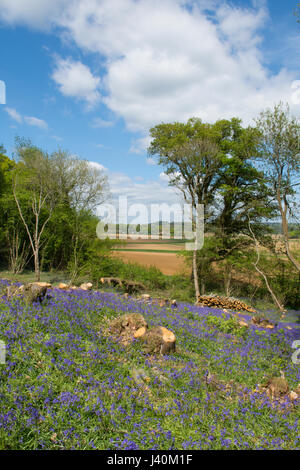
x,y
154,255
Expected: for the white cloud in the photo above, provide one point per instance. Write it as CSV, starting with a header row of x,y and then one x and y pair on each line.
x,y
119,179
98,122
151,161
137,190
37,13
57,138
238,25
98,166
147,192
140,145
164,177
33,121
75,79
13,113
165,62
30,120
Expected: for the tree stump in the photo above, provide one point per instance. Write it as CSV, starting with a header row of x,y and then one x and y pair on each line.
x,y
32,292
159,340
126,327
14,291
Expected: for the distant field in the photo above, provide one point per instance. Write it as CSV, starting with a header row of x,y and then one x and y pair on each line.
x,y
168,263
159,253
152,247
163,254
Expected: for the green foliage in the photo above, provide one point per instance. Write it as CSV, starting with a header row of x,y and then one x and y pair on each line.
x,y
279,148
286,282
100,263
214,165
226,325
46,204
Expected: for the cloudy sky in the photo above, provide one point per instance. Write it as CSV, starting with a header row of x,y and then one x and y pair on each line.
x,y
92,76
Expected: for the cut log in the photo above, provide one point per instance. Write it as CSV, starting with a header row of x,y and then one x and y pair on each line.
x,y
128,324
43,284
140,332
111,281
34,293
145,297
31,292
133,287
63,286
14,291
86,286
263,322
159,340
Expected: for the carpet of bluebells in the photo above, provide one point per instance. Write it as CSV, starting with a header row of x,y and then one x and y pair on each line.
x,y
67,384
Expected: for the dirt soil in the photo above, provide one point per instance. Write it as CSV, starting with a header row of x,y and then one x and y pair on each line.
x,y
168,263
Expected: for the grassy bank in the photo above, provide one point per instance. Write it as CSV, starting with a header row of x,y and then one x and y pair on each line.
x,y
67,385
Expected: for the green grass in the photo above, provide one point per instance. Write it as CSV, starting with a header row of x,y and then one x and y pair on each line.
x,y
29,276
171,241
146,251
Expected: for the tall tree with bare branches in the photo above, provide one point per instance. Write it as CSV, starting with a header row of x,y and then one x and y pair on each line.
x,y
32,181
42,182
280,154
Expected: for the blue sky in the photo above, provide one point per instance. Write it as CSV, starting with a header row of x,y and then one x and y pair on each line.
x,y
92,76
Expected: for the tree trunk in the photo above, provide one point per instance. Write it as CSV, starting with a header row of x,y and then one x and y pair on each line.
x,y
202,286
37,265
227,280
195,274
285,230
275,300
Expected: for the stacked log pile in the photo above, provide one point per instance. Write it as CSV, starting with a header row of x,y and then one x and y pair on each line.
x,y
223,302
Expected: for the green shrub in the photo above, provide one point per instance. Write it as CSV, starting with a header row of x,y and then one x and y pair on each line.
x,y
226,325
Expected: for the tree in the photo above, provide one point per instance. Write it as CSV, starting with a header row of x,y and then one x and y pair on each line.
x,y
79,184
9,226
18,251
280,154
6,167
242,185
242,191
191,157
56,187
33,179
81,187
213,164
